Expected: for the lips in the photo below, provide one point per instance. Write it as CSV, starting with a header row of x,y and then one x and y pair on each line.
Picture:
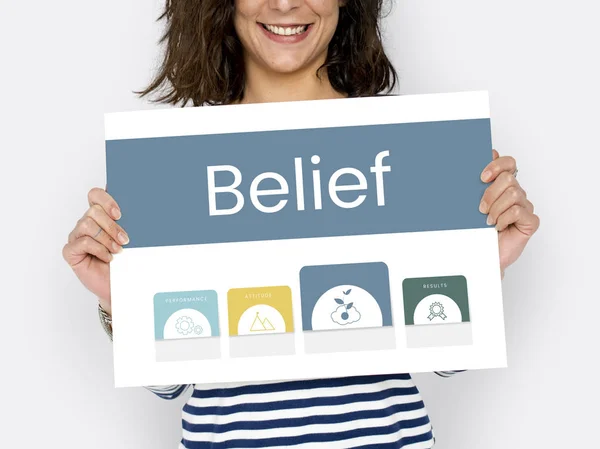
x,y
286,34
285,30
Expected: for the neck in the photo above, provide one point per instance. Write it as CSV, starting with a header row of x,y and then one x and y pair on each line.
x,y
265,86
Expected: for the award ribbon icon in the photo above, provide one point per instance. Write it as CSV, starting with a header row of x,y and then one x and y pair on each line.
x,y
436,309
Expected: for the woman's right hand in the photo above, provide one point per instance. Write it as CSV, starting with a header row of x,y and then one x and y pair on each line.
x,y
93,241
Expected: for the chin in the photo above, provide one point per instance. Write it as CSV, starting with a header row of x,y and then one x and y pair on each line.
x,y
287,65
285,68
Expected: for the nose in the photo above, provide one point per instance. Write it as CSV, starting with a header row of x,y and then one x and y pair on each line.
x,y
285,5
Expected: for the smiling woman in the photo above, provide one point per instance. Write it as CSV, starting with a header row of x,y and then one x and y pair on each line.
x,y
226,51
253,51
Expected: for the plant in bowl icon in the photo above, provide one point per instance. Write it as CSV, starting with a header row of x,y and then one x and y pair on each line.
x,y
345,312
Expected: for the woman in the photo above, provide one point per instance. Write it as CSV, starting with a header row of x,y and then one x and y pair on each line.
x,y
248,51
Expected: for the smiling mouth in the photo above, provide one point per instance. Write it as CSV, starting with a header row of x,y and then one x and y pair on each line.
x,y
293,30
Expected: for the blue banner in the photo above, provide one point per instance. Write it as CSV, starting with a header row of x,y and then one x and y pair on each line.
x,y
305,183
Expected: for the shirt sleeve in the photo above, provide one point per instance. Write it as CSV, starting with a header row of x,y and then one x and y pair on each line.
x,y
449,373
167,392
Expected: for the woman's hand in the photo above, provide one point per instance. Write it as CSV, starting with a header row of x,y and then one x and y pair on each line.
x,y
93,241
506,204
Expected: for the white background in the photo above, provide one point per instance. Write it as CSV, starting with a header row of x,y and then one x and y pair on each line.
x,y
65,63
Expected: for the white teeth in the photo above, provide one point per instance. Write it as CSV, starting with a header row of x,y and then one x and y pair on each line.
x,y
286,31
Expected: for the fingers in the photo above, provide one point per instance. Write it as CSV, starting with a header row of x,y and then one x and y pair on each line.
x,y
494,191
495,155
513,195
88,226
104,210
100,197
96,233
98,225
497,167
108,225
525,221
73,251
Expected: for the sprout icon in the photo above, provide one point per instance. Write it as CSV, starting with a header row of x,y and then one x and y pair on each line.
x,y
345,313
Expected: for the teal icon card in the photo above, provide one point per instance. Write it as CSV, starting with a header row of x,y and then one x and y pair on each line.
x,y
436,300
181,315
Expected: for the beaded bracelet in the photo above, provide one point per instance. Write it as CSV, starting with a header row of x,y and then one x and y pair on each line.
x,y
106,321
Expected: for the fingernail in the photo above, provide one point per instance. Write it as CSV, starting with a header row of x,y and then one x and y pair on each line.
x,y
123,238
486,175
110,257
489,221
116,248
116,213
482,207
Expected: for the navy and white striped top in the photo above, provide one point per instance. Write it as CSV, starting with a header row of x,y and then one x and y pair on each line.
x,y
367,412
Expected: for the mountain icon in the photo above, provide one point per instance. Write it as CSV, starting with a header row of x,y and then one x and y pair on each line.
x,y
259,325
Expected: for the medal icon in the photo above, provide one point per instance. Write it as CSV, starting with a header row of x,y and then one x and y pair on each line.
x,y
436,309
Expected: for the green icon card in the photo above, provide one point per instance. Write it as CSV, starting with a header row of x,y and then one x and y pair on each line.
x,y
436,311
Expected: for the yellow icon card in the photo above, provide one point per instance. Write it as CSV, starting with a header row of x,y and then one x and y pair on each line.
x,y
260,310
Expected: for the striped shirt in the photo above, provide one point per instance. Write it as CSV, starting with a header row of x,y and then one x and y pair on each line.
x,y
367,412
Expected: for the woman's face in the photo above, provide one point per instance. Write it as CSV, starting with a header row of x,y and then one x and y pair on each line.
x,y
286,35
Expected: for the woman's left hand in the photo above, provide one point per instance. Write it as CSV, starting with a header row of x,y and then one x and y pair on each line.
x,y
506,204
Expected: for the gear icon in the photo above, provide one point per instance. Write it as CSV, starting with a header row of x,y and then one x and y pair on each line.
x,y
198,329
184,325
436,309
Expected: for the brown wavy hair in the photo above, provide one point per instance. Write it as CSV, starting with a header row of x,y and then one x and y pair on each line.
x,y
203,60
